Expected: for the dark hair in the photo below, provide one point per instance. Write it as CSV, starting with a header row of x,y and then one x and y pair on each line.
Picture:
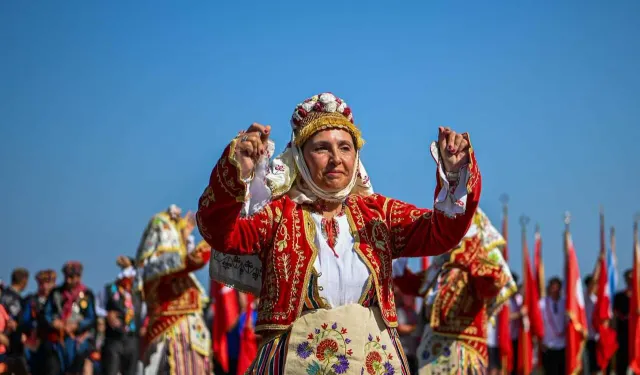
x,y
627,274
555,280
515,277
19,275
588,279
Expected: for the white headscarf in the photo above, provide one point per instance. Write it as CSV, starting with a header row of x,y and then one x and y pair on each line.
x,y
289,174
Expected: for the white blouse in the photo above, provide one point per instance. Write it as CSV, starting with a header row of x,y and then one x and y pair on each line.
x,y
341,279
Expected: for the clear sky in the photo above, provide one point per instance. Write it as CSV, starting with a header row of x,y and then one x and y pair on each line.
x,y
112,110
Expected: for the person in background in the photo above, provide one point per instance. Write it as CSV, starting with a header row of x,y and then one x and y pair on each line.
x,y
590,299
554,317
517,316
70,317
462,290
4,340
495,365
11,299
177,340
30,326
98,343
120,351
621,303
407,328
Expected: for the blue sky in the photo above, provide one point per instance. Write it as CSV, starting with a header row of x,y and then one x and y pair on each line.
x,y
112,110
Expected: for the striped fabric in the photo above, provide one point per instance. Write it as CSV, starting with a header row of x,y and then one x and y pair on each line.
x,y
271,357
395,338
176,354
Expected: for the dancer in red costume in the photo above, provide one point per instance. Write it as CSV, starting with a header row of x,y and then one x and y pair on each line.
x,y
309,222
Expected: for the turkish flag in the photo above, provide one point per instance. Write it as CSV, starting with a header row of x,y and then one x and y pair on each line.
x,y
248,340
532,324
634,313
504,316
577,326
226,311
602,315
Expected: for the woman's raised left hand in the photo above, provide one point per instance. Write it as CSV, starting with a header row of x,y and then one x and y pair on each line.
x,y
454,149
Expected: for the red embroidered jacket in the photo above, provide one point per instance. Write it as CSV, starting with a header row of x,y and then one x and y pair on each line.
x,y
283,232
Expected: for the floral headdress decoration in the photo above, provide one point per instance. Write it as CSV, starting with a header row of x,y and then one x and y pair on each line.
x,y
288,172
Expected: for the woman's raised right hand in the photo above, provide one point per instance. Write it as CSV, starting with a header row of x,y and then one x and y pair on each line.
x,y
251,146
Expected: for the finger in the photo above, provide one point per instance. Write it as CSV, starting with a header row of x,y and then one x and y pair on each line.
x,y
457,143
256,143
442,138
246,146
262,130
451,138
265,134
464,144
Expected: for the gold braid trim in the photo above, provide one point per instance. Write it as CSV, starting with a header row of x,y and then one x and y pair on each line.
x,y
324,121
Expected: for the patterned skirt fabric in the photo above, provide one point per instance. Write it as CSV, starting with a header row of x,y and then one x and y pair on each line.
x,y
182,350
350,340
440,355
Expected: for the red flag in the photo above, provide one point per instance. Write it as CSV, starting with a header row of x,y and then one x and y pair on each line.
x,y
225,314
424,263
602,312
602,315
534,325
248,341
634,310
504,319
538,265
576,332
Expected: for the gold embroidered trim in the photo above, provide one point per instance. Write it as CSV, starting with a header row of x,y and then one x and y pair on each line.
x,y
310,231
323,121
272,327
356,246
232,159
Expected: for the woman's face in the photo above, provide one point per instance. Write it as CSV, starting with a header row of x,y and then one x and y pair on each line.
x,y
330,156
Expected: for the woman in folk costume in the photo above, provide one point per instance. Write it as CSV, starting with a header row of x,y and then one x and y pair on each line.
x,y
322,242
462,290
176,339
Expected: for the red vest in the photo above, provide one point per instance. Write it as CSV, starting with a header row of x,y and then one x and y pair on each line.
x,y
283,235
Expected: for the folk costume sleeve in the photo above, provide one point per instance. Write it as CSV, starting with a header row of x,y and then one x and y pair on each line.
x,y
220,218
409,283
485,269
420,232
171,257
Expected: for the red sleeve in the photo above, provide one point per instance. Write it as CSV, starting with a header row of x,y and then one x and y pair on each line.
x,y
219,207
421,232
486,275
409,283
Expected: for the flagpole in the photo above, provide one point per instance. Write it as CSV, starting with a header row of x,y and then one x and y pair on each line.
x,y
596,270
504,199
541,281
524,220
567,223
614,322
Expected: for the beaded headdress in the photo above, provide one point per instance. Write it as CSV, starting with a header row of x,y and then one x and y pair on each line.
x,y
288,172
323,111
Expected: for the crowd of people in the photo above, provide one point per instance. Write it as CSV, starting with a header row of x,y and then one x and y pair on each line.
x,y
316,263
